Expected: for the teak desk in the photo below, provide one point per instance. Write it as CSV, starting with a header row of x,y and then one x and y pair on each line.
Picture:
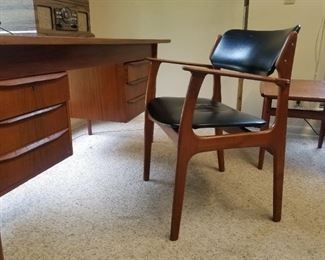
x,y
35,130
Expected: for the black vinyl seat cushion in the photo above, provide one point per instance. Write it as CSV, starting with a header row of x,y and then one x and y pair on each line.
x,y
167,110
250,51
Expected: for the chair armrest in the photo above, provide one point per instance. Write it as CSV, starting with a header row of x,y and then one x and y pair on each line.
x,y
179,62
278,81
155,64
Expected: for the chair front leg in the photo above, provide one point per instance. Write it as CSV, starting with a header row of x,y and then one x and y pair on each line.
x,y
183,157
278,176
148,138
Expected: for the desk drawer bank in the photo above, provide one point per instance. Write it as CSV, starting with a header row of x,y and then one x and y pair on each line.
x,y
34,127
34,93
113,92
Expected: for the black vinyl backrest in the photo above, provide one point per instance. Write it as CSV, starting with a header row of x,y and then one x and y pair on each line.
x,y
250,51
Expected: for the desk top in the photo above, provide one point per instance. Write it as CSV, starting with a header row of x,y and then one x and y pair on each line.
x,y
303,90
63,40
22,56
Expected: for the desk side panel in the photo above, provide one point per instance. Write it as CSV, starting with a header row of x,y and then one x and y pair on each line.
x,y
113,92
96,93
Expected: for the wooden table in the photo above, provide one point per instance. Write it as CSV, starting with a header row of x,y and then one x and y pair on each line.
x,y
33,76
300,90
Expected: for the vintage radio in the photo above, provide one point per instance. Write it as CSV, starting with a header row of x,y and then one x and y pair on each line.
x,y
46,17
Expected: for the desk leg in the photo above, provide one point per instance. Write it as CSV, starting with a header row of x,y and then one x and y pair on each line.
x,y
1,251
321,132
89,126
266,114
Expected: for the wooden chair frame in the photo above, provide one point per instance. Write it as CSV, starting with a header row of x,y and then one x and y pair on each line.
x,y
189,143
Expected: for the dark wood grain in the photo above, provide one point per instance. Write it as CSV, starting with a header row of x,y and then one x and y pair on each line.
x,y
39,125
96,93
24,167
137,70
30,147
109,92
135,88
33,114
59,40
25,98
301,90
43,55
28,115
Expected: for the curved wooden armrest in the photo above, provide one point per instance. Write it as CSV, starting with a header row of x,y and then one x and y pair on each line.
x,y
151,86
179,62
278,81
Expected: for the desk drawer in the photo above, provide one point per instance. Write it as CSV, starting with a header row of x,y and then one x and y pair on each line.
x,y
135,106
44,154
135,88
137,70
20,96
25,129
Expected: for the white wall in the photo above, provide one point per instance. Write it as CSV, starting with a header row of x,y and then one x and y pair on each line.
x,y
192,26
274,14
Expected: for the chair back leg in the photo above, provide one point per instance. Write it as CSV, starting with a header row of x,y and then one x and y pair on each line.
x,y
278,175
220,153
148,138
221,160
261,158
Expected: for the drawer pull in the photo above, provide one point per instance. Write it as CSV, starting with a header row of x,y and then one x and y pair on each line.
x,y
136,99
32,146
138,63
137,70
136,82
28,80
29,115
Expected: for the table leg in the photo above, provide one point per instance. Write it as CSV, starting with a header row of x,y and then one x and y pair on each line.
x,y
266,114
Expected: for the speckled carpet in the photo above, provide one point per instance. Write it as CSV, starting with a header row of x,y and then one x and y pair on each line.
x,y
94,205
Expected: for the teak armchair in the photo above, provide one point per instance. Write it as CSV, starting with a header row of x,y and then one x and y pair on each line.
x,y
250,55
